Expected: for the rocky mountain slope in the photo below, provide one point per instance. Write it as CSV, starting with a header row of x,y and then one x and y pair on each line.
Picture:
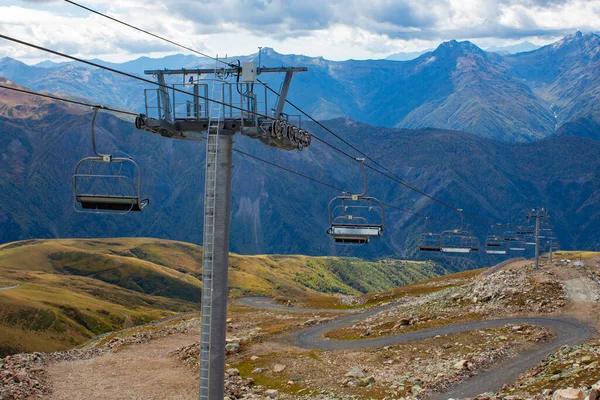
x,y
276,212
457,86
565,78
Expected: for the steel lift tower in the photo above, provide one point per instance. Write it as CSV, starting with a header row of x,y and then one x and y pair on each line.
x,y
238,103
537,214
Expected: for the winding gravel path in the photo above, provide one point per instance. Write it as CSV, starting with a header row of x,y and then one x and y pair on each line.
x,y
568,331
9,287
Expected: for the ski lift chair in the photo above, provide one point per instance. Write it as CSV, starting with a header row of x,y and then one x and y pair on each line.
x,y
516,245
475,244
494,242
355,218
458,241
429,241
108,192
525,230
494,245
511,235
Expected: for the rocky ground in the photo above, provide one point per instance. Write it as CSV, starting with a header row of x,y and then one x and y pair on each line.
x,y
24,376
259,366
507,292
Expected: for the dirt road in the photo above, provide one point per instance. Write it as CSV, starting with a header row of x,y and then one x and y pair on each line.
x,y
135,372
569,331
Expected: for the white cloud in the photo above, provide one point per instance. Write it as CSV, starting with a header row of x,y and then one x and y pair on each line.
x,y
335,29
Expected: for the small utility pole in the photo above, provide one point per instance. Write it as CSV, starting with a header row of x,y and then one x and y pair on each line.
x,y
537,213
537,243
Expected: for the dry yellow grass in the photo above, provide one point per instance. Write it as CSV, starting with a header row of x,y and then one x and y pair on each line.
x,y
72,289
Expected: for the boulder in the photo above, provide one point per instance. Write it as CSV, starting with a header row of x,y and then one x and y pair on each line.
x,y
232,347
569,394
356,372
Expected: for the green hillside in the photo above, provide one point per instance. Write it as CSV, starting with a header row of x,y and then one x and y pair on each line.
x,y
62,292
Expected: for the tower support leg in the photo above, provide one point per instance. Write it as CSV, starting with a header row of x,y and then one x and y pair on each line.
x,y
217,199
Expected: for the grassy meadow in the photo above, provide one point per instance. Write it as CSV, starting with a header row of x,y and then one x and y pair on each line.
x,y
69,290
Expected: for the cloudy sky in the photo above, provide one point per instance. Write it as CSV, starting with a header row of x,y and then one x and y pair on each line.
x,y
334,29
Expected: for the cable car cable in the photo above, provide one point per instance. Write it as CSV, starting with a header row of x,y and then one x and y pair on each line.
x,y
111,109
150,33
69,100
397,179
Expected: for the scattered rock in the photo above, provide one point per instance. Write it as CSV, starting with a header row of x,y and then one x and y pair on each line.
x,y
278,368
569,394
586,359
366,381
232,347
462,364
356,372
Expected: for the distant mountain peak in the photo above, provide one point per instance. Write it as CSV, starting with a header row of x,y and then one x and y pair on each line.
x,y
578,38
455,48
268,51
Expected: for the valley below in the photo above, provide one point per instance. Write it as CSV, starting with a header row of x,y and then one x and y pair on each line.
x,y
458,135
509,331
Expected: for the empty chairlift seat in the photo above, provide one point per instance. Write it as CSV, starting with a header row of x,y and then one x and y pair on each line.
x,y
106,184
457,241
430,242
99,188
345,233
516,245
495,245
355,220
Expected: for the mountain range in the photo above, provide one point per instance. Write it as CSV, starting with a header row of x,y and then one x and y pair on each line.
x,y
509,97
411,55
275,212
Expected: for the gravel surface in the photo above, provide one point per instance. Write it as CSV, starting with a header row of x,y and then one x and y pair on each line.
x,y
135,372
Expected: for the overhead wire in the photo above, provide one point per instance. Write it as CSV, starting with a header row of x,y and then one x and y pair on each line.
x,y
149,33
69,100
127,74
391,175
275,165
388,173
